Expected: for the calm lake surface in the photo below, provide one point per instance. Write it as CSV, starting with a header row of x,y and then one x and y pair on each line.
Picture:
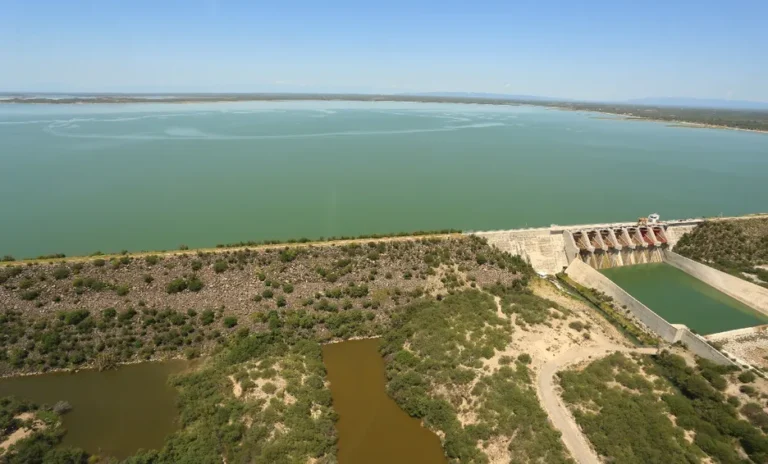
x,y
372,427
81,178
114,413
682,299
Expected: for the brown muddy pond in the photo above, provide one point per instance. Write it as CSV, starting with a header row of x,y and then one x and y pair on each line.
x,y
372,428
114,413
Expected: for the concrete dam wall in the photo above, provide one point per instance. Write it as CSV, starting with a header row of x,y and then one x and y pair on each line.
x,y
582,250
587,276
552,249
748,293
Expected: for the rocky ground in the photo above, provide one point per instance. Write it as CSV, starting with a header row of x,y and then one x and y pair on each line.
x,y
63,314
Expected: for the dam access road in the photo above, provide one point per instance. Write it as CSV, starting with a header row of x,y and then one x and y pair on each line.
x,y
559,415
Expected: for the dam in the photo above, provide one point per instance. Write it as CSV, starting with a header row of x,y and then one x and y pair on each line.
x,y
602,246
706,299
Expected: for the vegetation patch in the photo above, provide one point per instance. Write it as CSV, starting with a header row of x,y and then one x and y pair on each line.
x,y
737,247
659,410
619,318
31,433
279,410
435,353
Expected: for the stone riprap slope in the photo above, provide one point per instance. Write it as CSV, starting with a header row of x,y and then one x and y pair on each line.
x,y
63,315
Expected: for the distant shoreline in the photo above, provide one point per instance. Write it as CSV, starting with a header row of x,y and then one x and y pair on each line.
x,y
744,120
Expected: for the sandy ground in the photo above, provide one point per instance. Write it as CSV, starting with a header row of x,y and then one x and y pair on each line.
x,y
553,347
22,432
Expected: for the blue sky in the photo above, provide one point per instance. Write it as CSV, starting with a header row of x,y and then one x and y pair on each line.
x,y
607,50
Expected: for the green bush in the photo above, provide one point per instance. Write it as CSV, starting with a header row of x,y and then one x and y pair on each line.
x,y
194,284
196,265
207,317
30,295
73,317
98,262
280,301
61,272
152,259
269,388
122,290
220,266
288,254
747,377
576,325
288,288
109,313
267,293
229,322
176,286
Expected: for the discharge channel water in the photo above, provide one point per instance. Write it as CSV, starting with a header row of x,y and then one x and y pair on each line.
x,y
372,428
682,299
115,412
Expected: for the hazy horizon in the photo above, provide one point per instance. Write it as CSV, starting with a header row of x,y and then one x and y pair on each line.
x,y
603,51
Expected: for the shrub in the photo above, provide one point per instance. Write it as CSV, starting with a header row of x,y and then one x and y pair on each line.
x,y
754,412
269,388
148,278
98,262
196,265
109,313
229,322
61,272
280,301
288,288
126,315
524,358
73,317
30,295
152,259
747,377
356,291
576,325
194,284
267,293
122,290
7,258
748,390
220,266
176,286
288,254
207,317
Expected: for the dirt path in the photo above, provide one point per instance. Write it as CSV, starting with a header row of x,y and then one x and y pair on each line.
x,y
558,413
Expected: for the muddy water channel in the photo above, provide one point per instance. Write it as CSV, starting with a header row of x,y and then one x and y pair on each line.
x,y
372,428
114,413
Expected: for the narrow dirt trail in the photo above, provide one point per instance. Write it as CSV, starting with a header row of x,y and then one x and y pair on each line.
x,y
558,413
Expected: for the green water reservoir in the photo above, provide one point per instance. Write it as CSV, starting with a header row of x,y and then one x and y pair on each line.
x,y
682,299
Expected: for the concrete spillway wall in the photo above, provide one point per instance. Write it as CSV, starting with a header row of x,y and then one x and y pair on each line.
x,y
552,249
587,276
748,293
